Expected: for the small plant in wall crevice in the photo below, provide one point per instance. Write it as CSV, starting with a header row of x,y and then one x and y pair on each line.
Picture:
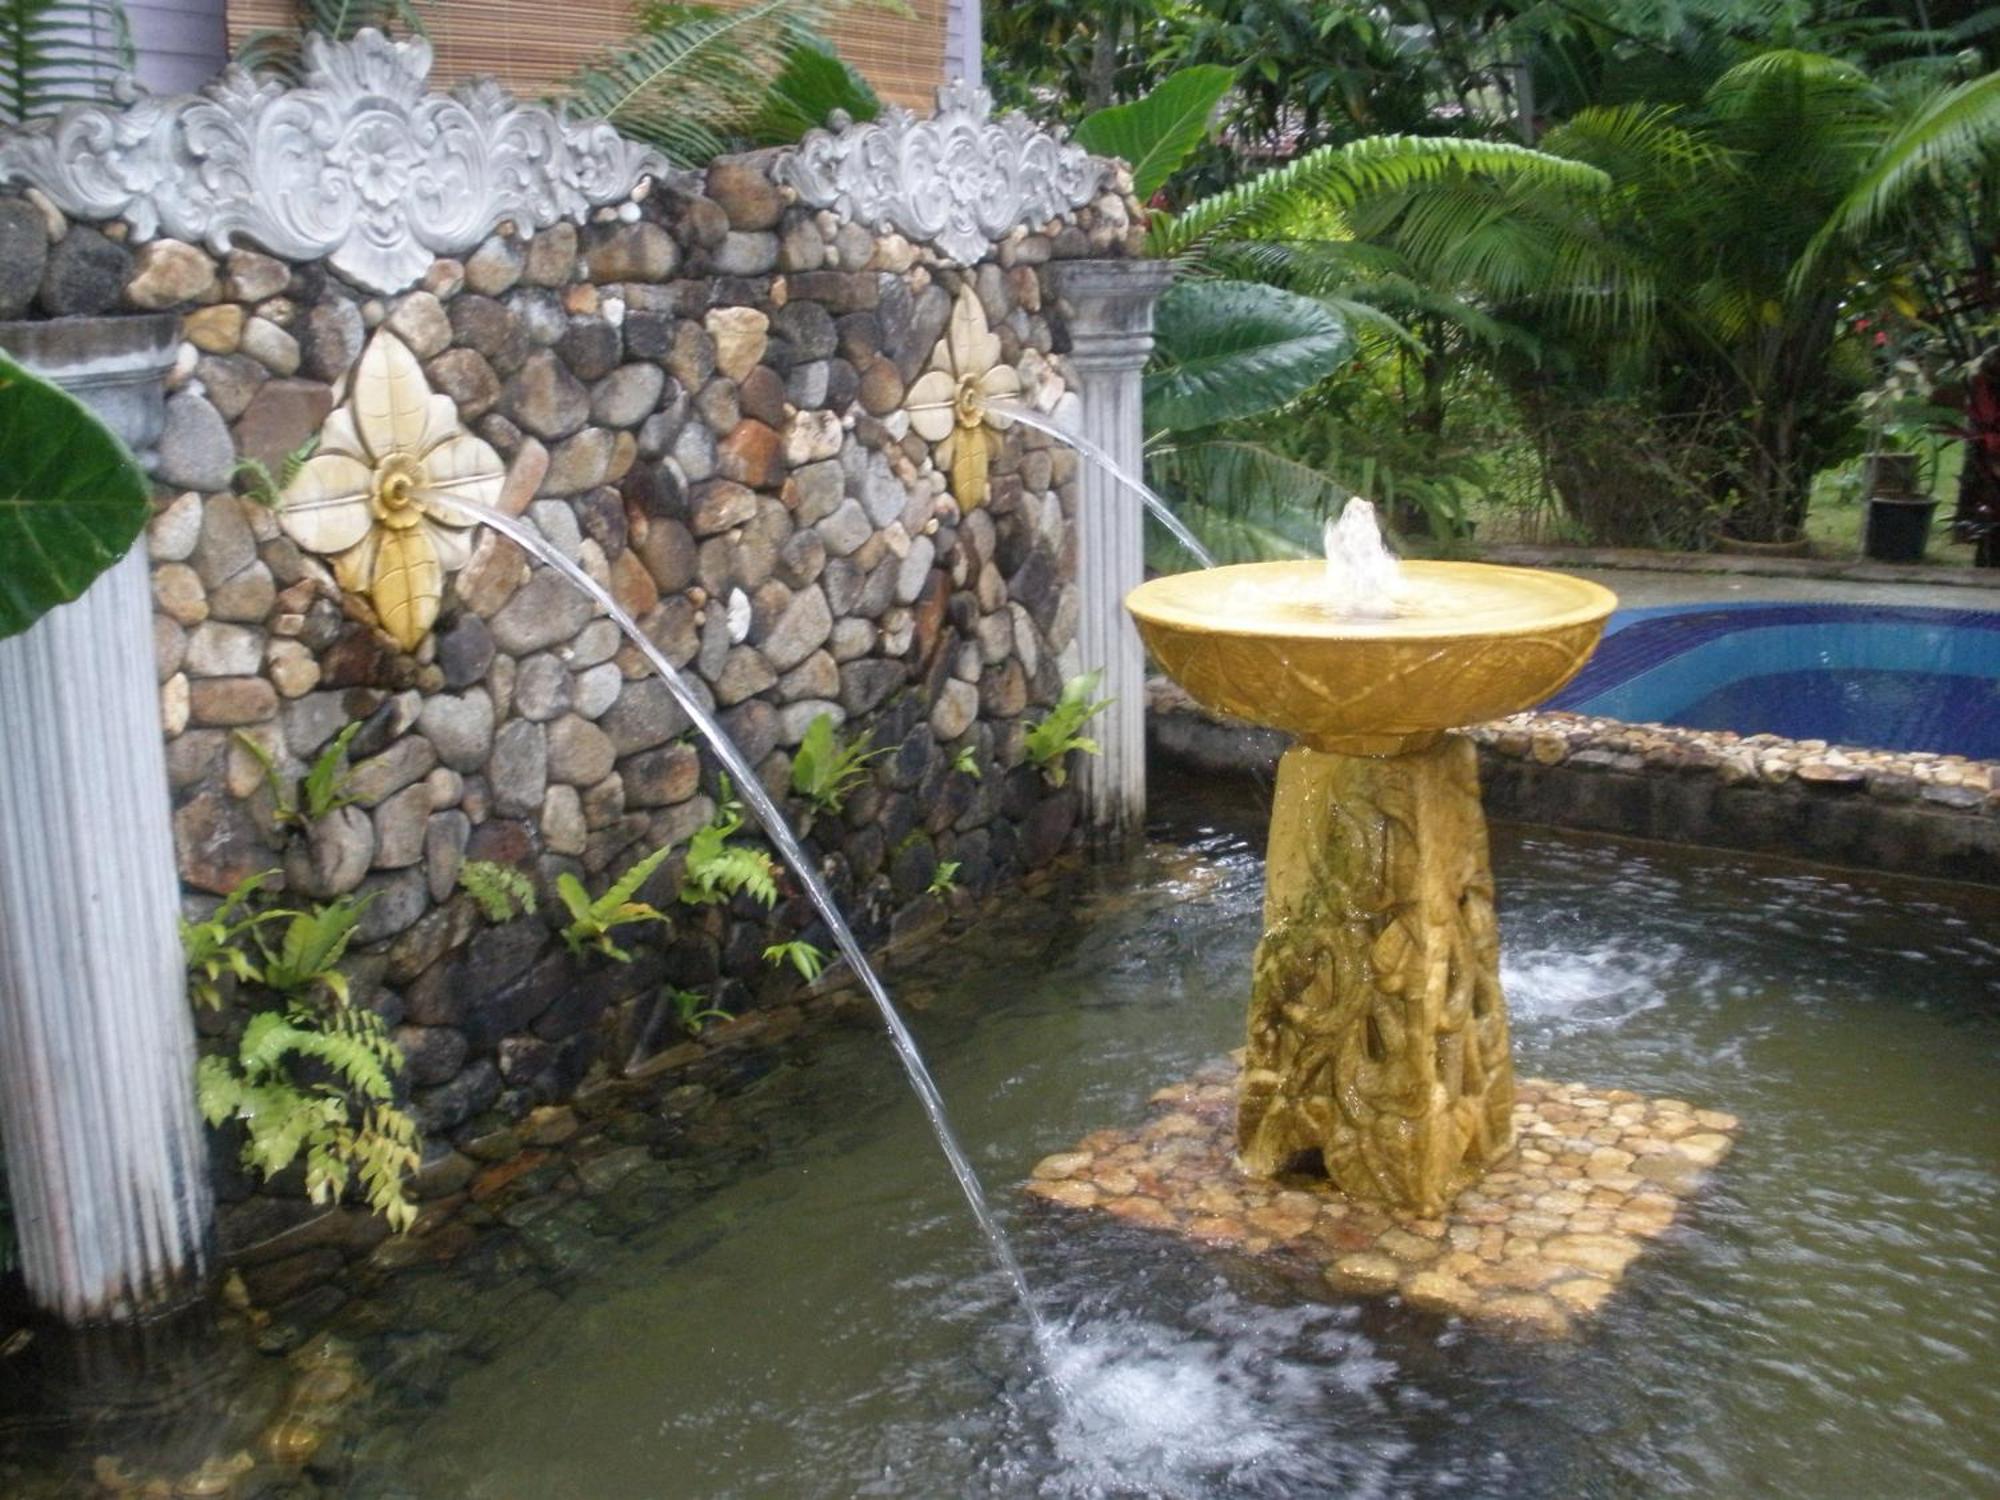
x,y
593,921
1050,742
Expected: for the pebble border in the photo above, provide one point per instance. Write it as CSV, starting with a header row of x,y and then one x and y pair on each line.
x,y
1536,1246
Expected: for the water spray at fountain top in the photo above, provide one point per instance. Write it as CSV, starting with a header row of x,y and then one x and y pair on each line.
x,y
1363,578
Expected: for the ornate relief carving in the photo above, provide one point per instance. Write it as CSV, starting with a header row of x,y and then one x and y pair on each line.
x,y
950,403
361,165
959,180
376,494
1378,1032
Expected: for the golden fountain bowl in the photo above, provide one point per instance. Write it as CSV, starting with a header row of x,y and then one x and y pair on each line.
x,y
1469,642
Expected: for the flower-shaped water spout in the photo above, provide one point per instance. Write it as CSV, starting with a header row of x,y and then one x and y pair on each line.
x,y
951,403
376,495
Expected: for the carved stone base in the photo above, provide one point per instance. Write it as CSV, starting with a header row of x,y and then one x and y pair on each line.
x,y
1378,1046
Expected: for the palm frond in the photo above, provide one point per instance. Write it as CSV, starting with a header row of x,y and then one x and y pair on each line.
x,y
1343,175
696,78
1954,134
58,52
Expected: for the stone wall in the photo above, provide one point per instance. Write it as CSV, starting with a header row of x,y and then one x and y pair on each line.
x,y
698,394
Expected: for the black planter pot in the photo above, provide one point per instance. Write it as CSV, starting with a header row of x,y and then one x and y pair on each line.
x,y
1898,528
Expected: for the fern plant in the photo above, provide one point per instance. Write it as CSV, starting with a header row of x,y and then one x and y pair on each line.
x,y
1050,742
57,52
341,1116
944,880
308,955
501,891
313,1078
322,790
717,869
265,487
214,947
593,921
967,761
692,1010
801,955
826,768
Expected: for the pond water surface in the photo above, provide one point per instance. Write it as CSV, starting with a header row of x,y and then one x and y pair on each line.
x,y
787,1299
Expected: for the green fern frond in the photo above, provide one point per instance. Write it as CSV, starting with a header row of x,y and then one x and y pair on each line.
x,y
801,955
501,891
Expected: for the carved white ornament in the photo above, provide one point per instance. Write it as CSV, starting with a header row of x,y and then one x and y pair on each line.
x,y
376,494
360,165
959,180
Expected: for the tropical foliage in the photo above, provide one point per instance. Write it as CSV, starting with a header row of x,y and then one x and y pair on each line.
x,y
72,499
825,767
592,920
1050,740
698,80
1631,257
311,1079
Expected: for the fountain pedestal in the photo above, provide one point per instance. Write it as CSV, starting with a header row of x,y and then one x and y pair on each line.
x,y
1378,1044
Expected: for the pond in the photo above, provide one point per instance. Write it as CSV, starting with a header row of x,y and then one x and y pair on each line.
x,y
782,1296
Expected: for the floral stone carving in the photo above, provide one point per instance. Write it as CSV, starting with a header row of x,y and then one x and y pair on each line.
x,y
359,165
959,180
376,494
951,402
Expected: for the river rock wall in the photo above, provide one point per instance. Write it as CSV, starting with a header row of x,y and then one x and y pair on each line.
x,y
698,394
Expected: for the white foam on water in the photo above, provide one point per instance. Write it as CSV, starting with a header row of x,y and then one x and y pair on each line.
x,y
1239,1405
1598,988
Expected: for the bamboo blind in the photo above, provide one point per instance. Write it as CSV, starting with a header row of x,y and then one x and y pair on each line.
x,y
530,44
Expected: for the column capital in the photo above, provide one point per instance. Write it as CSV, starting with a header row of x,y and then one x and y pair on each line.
x,y
1108,309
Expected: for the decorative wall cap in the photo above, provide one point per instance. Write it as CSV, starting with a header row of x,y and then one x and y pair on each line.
x,y
959,180
360,165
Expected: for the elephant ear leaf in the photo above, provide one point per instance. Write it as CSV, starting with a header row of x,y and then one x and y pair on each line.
x,y
1157,133
72,498
1229,349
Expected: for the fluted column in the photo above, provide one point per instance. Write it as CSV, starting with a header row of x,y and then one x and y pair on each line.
x,y
106,1162
1108,307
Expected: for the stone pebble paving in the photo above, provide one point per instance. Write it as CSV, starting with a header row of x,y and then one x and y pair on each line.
x,y
1538,1245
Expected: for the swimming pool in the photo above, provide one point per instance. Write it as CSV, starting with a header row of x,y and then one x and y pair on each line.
x,y
1887,678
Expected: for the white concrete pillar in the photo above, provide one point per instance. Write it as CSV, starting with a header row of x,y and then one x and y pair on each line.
x,y
106,1162
1108,310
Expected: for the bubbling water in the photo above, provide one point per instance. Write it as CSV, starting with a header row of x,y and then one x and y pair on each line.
x,y
1363,579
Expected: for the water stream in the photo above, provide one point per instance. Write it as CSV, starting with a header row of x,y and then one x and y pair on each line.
x,y
1087,449
780,833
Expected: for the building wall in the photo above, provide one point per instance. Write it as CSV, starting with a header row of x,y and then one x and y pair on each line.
x,y
531,44
181,44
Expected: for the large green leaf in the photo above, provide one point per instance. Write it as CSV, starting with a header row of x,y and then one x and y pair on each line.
x,y
1157,133
1229,349
71,497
